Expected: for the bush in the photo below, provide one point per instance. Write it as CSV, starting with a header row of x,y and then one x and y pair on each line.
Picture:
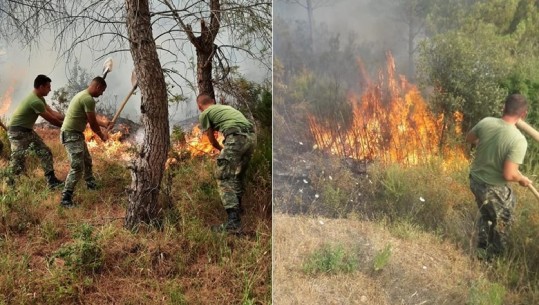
x,y
84,254
330,259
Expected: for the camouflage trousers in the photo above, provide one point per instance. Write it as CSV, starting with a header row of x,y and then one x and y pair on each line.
x,y
23,142
496,205
232,164
79,158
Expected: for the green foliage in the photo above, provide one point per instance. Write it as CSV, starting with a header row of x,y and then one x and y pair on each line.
x,y
381,259
5,149
84,254
178,135
466,73
484,292
330,259
176,296
335,199
479,52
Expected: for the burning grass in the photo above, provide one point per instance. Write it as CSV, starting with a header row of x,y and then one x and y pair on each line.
x,y
390,123
51,255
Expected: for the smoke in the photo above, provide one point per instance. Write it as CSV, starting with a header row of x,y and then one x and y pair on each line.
x,y
139,136
373,25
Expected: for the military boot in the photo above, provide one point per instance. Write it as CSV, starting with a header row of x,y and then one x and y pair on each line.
x,y
233,223
67,200
91,185
52,181
240,207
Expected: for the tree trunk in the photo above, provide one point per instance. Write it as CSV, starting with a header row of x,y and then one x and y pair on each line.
x,y
411,46
205,67
147,167
310,17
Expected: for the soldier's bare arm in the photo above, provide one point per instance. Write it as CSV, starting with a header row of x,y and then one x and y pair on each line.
x,y
51,118
213,140
57,114
94,125
511,173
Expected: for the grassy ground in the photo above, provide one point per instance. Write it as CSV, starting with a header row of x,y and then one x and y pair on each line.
x,y
419,269
395,235
50,255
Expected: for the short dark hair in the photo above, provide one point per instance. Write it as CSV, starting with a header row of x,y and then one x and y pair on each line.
x,y
41,80
100,81
515,104
205,99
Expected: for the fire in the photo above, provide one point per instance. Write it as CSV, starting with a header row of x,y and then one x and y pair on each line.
x,y
390,123
113,148
5,100
198,143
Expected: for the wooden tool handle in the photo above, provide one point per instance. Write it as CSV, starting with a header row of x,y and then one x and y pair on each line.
x,y
123,105
534,190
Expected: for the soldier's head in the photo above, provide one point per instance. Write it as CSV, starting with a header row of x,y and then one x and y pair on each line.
x,y
97,86
204,101
42,85
516,105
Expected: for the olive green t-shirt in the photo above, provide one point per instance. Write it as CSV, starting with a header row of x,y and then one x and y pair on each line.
x,y
75,118
222,117
498,141
28,111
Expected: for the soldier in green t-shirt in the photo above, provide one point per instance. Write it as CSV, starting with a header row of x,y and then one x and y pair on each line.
x,y
232,162
81,110
22,136
501,148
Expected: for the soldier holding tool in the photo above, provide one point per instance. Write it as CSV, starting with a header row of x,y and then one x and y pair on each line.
x,y
501,148
22,136
81,110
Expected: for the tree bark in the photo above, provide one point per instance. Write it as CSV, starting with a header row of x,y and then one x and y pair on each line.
x,y
206,48
205,67
310,10
147,167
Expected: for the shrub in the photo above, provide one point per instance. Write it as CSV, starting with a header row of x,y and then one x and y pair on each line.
x,y
84,253
330,259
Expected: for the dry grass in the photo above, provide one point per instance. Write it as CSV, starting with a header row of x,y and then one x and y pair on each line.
x,y
421,270
181,262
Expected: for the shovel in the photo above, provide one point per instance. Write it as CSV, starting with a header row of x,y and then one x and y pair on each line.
x,y
134,85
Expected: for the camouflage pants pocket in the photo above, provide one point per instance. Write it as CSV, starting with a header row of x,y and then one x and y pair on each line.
x,y
496,205
75,152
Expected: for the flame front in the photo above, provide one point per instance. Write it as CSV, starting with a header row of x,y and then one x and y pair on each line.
x,y
199,144
391,123
6,99
113,148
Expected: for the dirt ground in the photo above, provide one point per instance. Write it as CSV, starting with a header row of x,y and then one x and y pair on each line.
x,y
421,269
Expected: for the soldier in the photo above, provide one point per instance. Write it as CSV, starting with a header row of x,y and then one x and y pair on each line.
x,y
22,136
81,110
501,148
232,162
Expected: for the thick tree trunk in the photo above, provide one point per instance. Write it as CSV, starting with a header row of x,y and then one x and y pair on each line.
x,y
147,168
204,68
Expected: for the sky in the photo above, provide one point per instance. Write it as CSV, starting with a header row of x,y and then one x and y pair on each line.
x,y
20,65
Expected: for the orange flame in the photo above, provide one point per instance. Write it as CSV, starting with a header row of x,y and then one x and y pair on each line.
x,y
113,148
391,123
6,99
198,143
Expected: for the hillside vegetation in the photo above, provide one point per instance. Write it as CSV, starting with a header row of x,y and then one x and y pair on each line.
x,y
51,255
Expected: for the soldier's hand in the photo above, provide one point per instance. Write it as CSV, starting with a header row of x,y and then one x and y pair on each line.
x,y
104,136
524,181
